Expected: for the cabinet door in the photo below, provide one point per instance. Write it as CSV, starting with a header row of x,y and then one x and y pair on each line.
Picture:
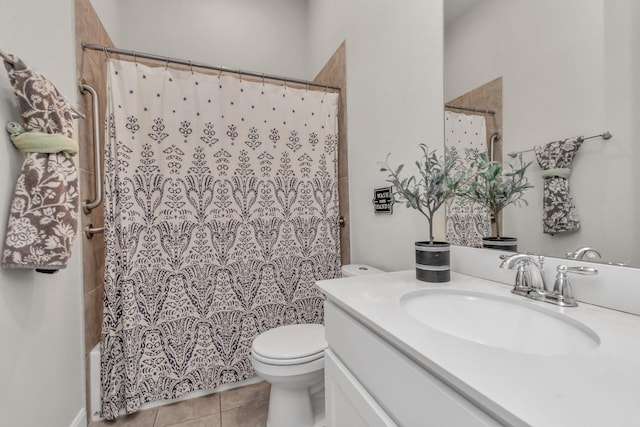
x,y
347,403
409,394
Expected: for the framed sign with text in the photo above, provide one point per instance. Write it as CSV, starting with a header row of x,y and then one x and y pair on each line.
x,y
383,200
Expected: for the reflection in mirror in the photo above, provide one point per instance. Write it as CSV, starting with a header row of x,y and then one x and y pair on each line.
x,y
473,125
566,68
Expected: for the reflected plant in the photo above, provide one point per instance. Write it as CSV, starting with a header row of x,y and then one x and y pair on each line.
x,y
494,188
433,186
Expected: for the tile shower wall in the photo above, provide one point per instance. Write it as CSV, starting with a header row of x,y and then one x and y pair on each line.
x,y
334,74
91,70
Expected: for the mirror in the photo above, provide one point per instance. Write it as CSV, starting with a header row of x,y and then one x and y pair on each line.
x,y
568,68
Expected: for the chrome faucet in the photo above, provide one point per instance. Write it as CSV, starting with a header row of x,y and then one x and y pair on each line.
x,y
530,277
580,253
531,284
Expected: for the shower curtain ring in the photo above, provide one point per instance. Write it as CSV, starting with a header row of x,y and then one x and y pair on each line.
x,y
220,71
135,58
326,89
166,66
285,83
240,75
190,66
262,79
106,52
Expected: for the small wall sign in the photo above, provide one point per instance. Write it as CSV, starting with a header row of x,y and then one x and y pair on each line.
x,y
383,200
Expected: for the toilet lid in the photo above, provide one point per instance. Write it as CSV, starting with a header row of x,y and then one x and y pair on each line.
x,y
290,344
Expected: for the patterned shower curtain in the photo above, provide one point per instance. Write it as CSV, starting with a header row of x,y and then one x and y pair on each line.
x,y
221,211
467,221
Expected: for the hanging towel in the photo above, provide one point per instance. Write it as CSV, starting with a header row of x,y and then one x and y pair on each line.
x,y
38,142
559,214
44,212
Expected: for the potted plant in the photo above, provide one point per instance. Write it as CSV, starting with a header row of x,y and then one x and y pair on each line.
x,y
426,193
493,187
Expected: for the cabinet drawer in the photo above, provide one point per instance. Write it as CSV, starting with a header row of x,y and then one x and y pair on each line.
x,y
410,395
348,403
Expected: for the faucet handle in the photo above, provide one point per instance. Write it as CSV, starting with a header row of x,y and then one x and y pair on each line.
x,y
562,294
586,271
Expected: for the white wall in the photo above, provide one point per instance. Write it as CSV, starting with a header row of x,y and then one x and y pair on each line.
x,y
567,71
394,94
394,73
263,36
41,348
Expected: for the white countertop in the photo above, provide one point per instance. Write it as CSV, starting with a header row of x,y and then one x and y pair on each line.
x,y
599,387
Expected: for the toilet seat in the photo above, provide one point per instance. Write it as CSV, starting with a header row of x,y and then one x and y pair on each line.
x,y
290,345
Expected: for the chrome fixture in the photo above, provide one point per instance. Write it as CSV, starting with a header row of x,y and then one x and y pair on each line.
x,y
585,251
165,59
562,294
89,205
90,231
530,279
603,135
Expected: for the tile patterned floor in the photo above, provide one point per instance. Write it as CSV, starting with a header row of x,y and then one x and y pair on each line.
x,y
241,407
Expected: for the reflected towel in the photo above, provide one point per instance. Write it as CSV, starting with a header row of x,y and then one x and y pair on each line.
x,y
44,212
559,214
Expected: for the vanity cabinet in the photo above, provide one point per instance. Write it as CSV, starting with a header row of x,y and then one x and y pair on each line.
x,y
348,403
371,383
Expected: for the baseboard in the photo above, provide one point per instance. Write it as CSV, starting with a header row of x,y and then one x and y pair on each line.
x,y
80,420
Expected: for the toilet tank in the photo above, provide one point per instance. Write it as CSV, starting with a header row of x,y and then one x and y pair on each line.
x,y
351,270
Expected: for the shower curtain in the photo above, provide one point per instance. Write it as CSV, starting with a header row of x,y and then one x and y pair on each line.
x,y
221,211
467,221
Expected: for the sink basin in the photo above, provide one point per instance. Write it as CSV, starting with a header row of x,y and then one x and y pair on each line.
x,y
499,322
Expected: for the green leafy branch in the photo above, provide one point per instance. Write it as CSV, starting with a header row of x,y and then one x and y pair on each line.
x,y
494,188
433,186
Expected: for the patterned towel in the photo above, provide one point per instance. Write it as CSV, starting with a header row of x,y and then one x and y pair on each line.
x,y
44,212
559,214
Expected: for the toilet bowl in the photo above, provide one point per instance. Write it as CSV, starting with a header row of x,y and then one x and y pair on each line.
x,y
291,359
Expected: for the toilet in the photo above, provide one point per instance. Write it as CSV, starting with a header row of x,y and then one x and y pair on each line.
x,y
291,359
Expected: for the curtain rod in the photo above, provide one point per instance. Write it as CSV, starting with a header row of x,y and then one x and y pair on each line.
x,y
603,135
475,110
220,68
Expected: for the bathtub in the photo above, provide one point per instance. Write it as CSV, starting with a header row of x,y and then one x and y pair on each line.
x,y
94,388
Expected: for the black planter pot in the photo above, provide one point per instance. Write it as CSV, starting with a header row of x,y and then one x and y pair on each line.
x,y
502,243
432,262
